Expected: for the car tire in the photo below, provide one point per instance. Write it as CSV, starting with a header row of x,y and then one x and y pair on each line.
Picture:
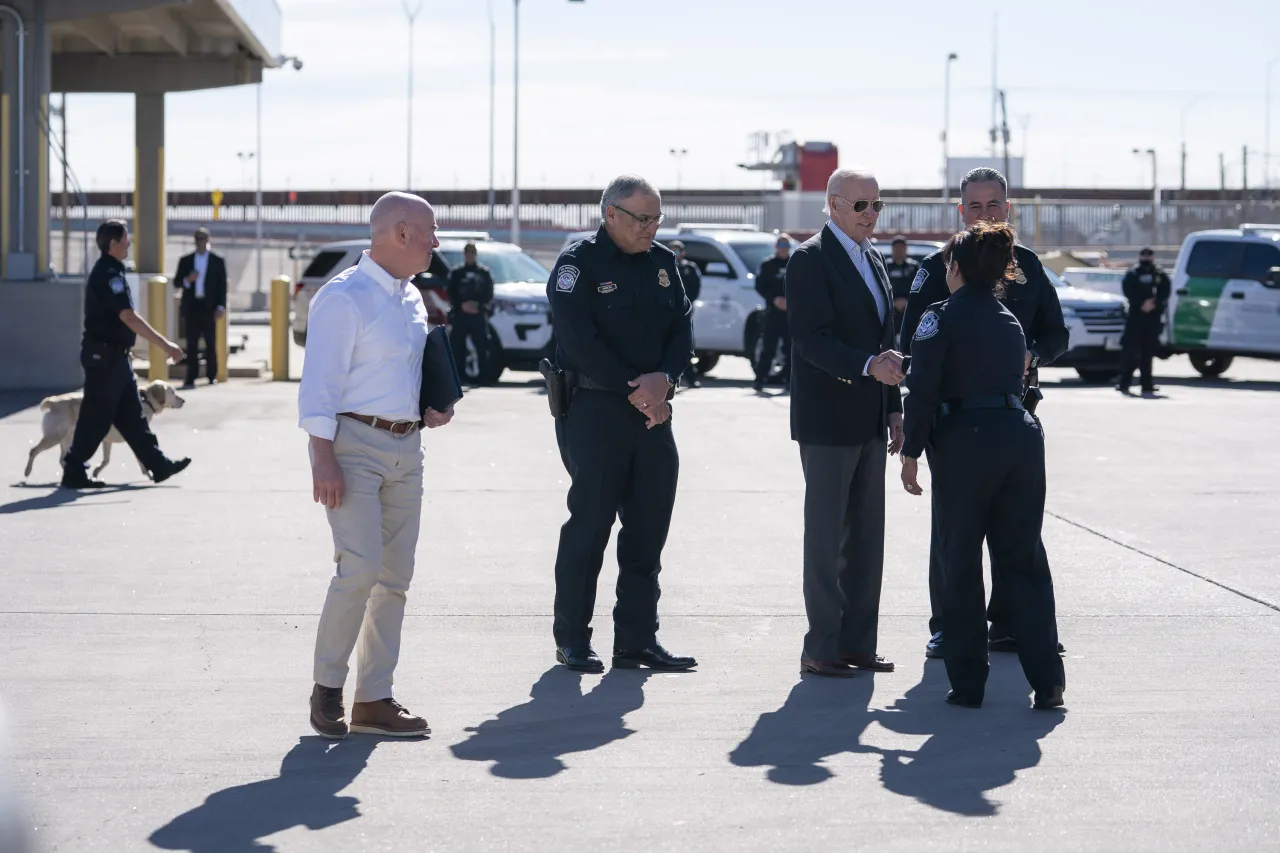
x,y
1210,365
1097,376
300,338
707,362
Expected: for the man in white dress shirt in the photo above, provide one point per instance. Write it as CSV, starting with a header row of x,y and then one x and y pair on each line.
x,y
359,403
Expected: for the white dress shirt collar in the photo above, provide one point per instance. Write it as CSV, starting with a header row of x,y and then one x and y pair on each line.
x,y
851,245
370,267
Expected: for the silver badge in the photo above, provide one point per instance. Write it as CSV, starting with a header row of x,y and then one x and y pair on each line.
x,y
567,278
928,326
117,285
919,280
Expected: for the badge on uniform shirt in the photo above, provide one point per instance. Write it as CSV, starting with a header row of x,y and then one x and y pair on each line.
x,y
663,278
920,279
928,326
567,278
1018,275
117,284
607,287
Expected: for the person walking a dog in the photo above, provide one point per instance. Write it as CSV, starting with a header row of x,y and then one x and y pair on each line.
x,y
111,327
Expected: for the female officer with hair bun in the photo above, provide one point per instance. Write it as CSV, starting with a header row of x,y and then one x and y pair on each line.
x,y
987,464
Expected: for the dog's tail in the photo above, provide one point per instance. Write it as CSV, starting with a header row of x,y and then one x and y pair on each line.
x,y
48,402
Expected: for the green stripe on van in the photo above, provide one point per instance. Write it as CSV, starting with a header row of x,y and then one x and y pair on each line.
x,y
1194,316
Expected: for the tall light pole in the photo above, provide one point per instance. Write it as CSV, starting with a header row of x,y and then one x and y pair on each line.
x,y
281,61
946,129
1182,130
678,154
1155,193
1266,156
492,87
412,13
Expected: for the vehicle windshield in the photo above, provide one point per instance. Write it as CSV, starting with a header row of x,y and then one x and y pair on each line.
x,y
753,254
506,267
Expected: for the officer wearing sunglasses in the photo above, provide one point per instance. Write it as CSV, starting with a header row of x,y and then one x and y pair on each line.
x,y
1029,296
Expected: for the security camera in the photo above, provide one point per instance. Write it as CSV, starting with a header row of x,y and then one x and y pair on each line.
x,y
297,64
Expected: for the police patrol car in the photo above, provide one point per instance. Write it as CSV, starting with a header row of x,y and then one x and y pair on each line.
x,y
520,326
1225,299
727,315
1095,321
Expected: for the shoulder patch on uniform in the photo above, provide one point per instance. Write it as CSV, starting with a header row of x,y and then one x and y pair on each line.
x,y
117,284
567,278
928,326
919,280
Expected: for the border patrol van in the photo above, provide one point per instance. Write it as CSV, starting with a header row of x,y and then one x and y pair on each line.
x,y
1225,299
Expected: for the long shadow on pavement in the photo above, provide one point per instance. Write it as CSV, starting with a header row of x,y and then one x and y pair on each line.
x,y
970,752
304,794
61,497
528,740
822,717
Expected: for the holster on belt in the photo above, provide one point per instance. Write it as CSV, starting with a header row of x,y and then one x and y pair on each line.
x,y
559,388
1031,394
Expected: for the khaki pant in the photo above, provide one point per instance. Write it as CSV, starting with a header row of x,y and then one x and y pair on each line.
x,y
375,533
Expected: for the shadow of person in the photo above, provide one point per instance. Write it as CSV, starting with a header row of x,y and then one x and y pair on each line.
x,y
62,497
304,794
969,751
821,717
528,740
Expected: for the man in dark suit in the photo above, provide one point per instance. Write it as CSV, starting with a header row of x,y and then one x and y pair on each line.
x,y
202,275
846,414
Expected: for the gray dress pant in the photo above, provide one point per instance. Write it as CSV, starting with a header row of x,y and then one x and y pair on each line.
x,y
843,547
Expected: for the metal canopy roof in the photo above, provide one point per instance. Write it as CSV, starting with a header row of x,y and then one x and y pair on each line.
x,y
160,45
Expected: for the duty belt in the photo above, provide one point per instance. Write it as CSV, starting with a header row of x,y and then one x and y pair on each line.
x,y
997,401
581,380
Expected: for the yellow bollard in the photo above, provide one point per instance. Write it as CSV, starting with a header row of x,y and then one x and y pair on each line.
x,y
158,317
220,342
280,332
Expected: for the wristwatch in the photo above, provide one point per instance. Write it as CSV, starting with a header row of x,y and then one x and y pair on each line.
x,y
1035,360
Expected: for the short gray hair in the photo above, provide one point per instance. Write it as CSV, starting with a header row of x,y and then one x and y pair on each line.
x,y
624,187
838,177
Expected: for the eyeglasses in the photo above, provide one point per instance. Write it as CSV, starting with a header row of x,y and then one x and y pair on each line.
x,y
862,204
645,221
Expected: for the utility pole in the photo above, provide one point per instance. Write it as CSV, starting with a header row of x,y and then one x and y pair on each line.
x,y
493,49
66,212
1244,169
412,14
1004,130
1222,174
995,91
946,130
515,133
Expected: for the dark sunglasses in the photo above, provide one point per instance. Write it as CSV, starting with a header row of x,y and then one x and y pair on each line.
x,y
862,204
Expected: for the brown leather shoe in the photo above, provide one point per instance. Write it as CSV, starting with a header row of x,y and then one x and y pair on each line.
x,y
386,717
872,663
829,668
327,713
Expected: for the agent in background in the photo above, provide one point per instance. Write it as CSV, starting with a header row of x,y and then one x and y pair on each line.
x,y
902,271
1146,286
202,275
968,358
470,291
771,284
692,280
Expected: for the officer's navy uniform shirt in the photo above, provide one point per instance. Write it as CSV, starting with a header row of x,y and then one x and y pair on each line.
x,y
1034,303
106,295
470,284
969,345
1143,282
619,316
771,281
901,276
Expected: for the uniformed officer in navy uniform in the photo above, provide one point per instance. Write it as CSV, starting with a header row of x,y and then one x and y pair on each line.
x,y
692,280
623,333
1146,286
902,272
1031,297
771,284
110,390
968,359
470,292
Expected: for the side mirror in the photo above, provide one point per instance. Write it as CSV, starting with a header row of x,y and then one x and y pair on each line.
x,y
1273,280
719,269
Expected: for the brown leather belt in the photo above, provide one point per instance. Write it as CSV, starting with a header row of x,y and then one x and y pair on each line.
x,y
393,427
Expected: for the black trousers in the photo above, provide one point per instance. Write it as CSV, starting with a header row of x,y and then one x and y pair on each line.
x,y
111,399
989,482
1141,338
198,316
773,330
619,469
473,327
843,547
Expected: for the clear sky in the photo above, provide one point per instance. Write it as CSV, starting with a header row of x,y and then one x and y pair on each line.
x,y
609,86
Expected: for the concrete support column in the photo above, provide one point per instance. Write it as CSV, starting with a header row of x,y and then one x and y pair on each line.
x,y
24,218
149,225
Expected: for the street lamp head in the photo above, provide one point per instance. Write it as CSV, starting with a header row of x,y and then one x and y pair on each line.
x,y
952,56
283,60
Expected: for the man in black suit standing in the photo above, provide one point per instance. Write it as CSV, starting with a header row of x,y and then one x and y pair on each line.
x,y
202,275
846,414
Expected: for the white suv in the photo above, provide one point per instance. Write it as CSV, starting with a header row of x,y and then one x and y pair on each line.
x,y
520,327
726,319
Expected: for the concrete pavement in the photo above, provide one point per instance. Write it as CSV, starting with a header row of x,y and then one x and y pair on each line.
x,y
159,637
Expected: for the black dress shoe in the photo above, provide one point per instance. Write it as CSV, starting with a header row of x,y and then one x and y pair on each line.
x,y
1049,700
166,471
76,477
963,700
655,657
580,660
933,649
